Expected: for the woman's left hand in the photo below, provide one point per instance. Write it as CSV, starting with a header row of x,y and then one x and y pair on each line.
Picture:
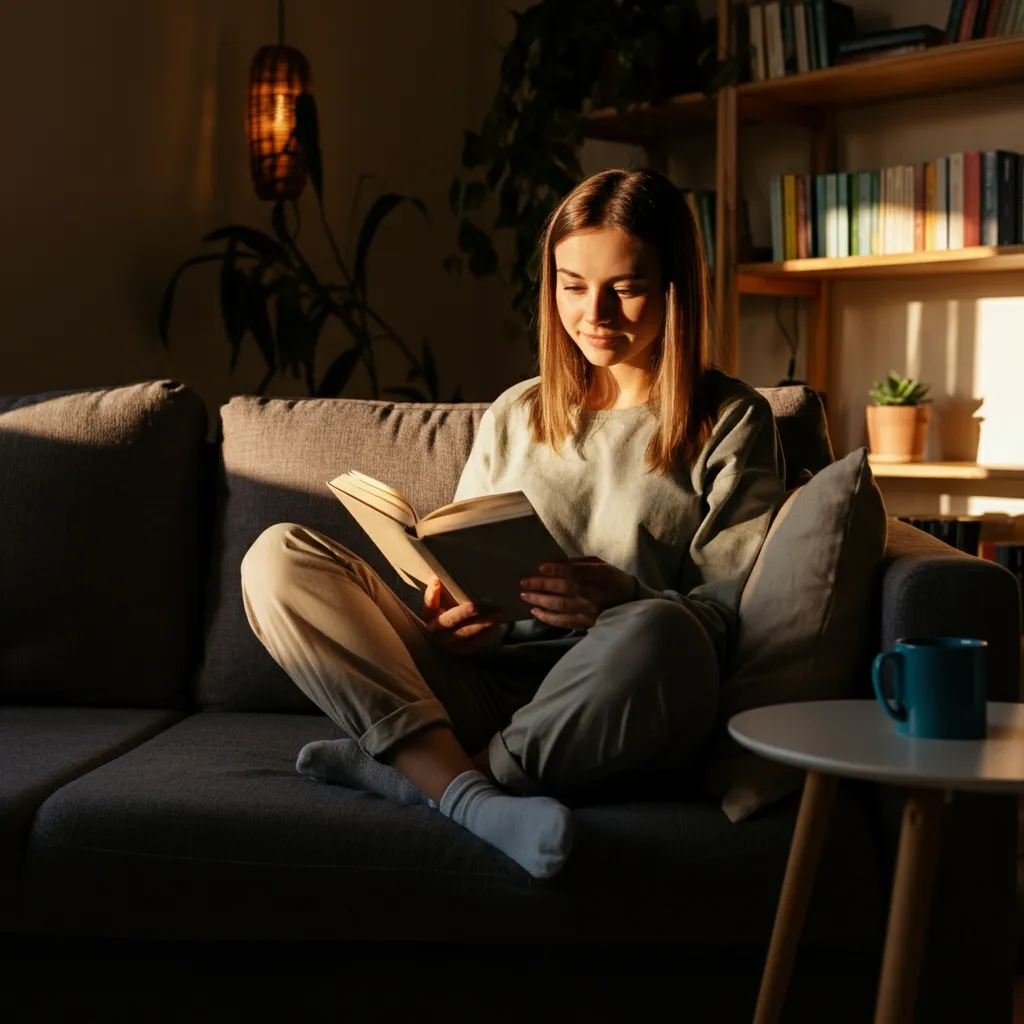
x,y
573,593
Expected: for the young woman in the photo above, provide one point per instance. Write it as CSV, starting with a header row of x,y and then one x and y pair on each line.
x,y
660,472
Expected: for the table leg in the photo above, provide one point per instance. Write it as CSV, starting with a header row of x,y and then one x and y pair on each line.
x,y
914,879
804,854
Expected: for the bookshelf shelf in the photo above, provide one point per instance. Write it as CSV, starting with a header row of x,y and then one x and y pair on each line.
x,y
780,278
800,99
947,471
942,69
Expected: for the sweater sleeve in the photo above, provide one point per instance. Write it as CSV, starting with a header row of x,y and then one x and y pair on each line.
x,y
742,486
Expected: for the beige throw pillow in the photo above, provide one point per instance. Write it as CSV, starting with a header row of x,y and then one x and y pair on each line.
x,y
803,621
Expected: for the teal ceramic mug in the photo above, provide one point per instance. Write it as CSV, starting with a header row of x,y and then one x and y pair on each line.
x,y
938,687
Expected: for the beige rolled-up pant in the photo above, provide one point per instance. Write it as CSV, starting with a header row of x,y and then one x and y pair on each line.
x,y
638,690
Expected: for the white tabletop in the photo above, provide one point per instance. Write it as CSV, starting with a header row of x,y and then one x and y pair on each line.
x,y
856,738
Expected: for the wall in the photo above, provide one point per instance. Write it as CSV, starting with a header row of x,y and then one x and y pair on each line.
x,y
126,144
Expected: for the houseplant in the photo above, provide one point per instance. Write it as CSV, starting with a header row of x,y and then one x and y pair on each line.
x,y
898,419
566,57
270,290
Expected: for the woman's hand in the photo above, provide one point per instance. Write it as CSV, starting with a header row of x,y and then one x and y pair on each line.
x,y
573,593
456,627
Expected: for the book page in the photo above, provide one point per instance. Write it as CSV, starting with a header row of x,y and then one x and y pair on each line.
x,y
350,485
388,492
485,505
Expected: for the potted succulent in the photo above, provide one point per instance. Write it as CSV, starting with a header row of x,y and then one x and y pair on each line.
x,y
898,419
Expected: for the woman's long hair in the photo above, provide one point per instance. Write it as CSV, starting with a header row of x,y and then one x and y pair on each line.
x,y
647,205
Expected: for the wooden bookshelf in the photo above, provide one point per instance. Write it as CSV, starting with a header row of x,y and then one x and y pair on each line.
x,y
647,123
786,278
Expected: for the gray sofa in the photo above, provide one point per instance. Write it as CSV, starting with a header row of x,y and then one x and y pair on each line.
x,y
148,794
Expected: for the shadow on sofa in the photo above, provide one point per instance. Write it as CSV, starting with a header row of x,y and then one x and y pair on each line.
x,y
149,799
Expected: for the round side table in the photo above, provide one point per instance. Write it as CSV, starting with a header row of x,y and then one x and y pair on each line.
x,y
854,738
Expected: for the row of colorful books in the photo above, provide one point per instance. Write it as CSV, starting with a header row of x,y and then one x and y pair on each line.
x,y
953,202
982,19
793,38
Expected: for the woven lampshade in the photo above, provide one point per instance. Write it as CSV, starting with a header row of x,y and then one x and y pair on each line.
x,y
278,74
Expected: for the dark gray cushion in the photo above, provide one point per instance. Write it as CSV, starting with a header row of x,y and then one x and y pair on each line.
x,y
278,455
43,748
102,529
207,829
803,430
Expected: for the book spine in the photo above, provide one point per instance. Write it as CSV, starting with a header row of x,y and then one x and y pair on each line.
x,y
876,213
854,214
942,203
864,198
832,216
994,10
822,26
1007,198
956,201
843,203
802,232
821,215
788,39
803,57
757,53
967,21
989,191
929,206
773,38
778,220
894,231
789,205
910,196
904,209
956,14
972,198
980,20
919,208
812,35
1005,12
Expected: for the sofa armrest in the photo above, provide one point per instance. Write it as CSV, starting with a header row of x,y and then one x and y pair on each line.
x,y
931,589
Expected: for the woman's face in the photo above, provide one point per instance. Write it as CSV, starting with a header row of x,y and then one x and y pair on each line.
x,y
610,295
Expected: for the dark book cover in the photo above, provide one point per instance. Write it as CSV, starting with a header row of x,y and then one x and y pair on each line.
x,y
956,13
927,34
788,39
989,206
834,24
967,22
821,215
1007,201
812,36
980,20
868,55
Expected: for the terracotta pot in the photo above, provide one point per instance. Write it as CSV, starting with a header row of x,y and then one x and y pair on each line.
x,y
897,433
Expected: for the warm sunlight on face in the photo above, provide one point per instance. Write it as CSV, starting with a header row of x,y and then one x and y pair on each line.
x,y
610,296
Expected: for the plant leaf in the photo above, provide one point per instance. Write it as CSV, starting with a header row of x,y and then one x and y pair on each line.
x,y
483,258
474,149
261,243
258,318
381,207
455,196
307,134
338,373
475,195
164,316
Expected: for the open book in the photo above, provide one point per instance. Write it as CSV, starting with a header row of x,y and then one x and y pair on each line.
x,y
480,548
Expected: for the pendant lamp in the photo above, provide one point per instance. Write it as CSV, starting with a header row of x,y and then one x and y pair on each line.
x,y
277,76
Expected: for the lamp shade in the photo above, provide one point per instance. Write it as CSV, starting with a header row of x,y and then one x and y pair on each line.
x,y
277,76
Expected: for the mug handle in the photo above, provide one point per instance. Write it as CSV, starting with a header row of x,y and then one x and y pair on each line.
x,y
899,712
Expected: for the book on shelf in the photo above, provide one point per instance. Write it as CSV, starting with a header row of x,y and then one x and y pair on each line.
x,y
953,202
701,202
480,548
889,43
794,38
983,19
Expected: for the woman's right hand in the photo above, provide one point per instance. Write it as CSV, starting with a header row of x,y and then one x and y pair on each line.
x,y
458,628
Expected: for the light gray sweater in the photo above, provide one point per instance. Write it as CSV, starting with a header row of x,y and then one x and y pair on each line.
x,y
691,538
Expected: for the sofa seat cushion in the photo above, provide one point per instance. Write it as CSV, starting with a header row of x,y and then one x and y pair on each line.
x,y
41,749
207,830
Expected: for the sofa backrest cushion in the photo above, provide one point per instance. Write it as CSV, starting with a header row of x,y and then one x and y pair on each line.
x,y
102,542
276,458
